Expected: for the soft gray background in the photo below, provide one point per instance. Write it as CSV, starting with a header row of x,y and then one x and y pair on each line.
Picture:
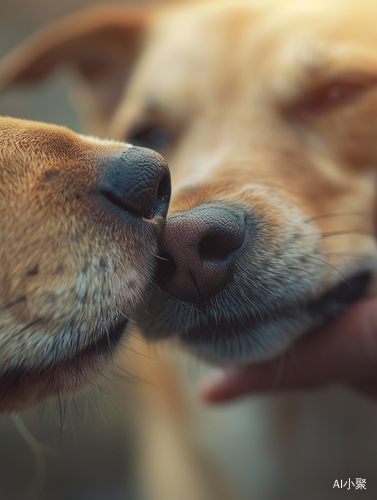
x,y
47,101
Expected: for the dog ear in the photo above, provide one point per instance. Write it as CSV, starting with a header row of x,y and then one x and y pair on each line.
x,y
99,43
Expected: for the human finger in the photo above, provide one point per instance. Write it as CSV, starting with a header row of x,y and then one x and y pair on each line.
x,y
343,351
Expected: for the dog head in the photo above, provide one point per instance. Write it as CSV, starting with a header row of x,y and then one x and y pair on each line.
x,y
267,114
79,223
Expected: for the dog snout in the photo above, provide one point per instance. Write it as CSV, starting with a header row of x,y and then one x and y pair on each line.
x,y
199,249
138,182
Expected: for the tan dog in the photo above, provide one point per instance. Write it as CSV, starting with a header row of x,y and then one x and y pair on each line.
x,y
79,221
266,113
271,131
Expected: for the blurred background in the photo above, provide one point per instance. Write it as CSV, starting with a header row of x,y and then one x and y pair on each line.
x,y
47,101
91,451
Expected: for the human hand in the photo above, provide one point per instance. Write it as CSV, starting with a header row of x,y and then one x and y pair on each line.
x,y
342,352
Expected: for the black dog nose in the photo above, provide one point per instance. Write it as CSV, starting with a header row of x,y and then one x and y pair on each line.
x,y
137,181
200,248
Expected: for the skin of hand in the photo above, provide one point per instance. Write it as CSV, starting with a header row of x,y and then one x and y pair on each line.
x,y
342,352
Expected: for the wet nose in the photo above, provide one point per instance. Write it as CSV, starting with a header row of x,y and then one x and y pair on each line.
x,y
199,249
136,181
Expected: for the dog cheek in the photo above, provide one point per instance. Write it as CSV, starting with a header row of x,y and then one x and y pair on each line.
x,y
350,135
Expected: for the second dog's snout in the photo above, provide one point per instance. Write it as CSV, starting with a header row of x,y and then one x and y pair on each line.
x,y
200,248
137,181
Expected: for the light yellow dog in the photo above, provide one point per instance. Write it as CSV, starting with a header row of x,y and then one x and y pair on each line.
x,y
267,114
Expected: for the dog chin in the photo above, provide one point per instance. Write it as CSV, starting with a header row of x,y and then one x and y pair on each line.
x,y
248,336
25,386
247,345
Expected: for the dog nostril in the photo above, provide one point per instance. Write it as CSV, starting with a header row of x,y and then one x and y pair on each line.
x,y
137,182
218,244
163,194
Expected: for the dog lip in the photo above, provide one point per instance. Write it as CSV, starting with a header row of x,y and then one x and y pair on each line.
x,y
107,343
101,347
328,305
343,294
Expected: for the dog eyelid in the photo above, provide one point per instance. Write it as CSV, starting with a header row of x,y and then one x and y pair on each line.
x,y
330,96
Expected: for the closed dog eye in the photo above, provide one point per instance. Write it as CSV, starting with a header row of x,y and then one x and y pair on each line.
x,y
331,95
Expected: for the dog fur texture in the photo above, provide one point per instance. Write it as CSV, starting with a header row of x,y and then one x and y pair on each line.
x,y
269,107
274,115
72,268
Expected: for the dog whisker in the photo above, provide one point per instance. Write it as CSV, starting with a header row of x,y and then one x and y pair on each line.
x,y
138,353
339,214
160,257
337,233
131,377
121,313
325,263
61,414
362,255
96,386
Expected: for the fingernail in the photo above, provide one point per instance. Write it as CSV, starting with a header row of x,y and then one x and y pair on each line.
x,y
215,378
